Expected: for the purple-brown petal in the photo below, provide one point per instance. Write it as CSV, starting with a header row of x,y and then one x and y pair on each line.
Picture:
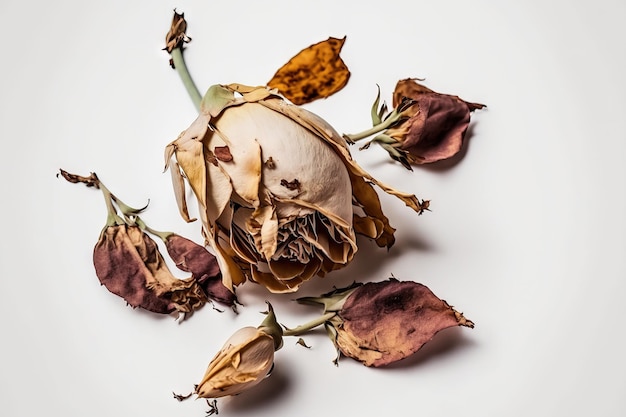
x,y
191,257
437,123
387,321
438,130
121,269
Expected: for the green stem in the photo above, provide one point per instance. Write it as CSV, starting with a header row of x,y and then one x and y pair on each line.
x,y
112,217
183,72
394,117
143,226
297,331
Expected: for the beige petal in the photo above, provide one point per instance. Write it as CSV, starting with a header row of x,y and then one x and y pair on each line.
x,y
316,124
232,275
178,182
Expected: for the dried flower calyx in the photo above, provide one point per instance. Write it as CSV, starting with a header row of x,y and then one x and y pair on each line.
x,y
128,261
424,127
384,322
176,37
315,72
279,223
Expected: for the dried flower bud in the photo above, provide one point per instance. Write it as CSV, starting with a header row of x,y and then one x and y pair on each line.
x,y
245,360
176,36
128,263
384,322
283,222
436,124
191,257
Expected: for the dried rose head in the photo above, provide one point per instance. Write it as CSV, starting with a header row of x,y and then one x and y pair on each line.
x,y
384,322
245,360
128,263
436,123
280,197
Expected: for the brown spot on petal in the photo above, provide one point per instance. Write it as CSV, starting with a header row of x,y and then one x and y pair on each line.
x,y
270,164
223,153
291,185
387,321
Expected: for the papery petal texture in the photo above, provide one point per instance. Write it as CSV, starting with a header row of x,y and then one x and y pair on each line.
x,y
387,321
128,263
245,360
278,190
437,124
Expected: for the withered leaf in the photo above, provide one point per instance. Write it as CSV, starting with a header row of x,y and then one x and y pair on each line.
x,y
315,72
387,321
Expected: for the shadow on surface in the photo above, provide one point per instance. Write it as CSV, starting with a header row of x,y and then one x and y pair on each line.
x,y
446,342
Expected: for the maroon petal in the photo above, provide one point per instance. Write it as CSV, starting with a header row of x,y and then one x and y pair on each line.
x,y
191,257
437,123
387,321
121,269
194,258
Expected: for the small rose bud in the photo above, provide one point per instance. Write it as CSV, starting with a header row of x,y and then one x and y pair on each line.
x,y
436,124
245,360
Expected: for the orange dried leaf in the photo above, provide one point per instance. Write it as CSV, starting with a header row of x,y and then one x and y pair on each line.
x,y
315,72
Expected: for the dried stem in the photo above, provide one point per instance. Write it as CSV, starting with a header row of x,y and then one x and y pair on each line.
x,y
180,66
302,329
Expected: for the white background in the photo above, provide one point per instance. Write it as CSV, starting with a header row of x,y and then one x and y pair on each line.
x,y
526,236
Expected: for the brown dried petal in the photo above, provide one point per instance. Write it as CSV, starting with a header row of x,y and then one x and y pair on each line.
x,y
129,264
194,258
122,271
185,294
191,257
387,321
315,72
437,124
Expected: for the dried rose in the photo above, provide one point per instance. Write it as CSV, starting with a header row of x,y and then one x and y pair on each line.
x,y
286,201
245,360
437,123
384,322
128,263
424,127
315,72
